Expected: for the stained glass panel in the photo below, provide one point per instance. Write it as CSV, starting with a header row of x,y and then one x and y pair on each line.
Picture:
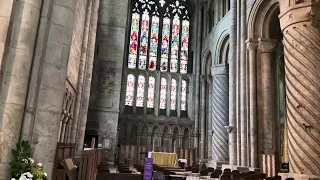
x,y
163,93
184,47
140,91
154,43
151,87
184,96
130,90
173,94
165,44
144,40
175,44
134,41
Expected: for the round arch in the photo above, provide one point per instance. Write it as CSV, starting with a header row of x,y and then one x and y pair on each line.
x,y
261,17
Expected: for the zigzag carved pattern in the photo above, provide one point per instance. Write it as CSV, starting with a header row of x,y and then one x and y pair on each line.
x,y
220,117
302,66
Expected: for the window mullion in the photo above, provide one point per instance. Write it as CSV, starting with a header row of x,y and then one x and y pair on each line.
x,y
180,41
149,41
168,97
179,94
159,42
139,39
146,91
170,44
134,104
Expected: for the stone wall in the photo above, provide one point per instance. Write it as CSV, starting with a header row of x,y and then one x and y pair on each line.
x,y
107,68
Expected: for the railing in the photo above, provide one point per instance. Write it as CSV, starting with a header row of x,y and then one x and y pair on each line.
x,y
63,151
89,163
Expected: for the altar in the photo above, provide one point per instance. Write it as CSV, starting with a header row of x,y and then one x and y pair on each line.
x,y
164,159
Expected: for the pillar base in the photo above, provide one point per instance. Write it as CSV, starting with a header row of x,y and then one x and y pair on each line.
x,y
298,176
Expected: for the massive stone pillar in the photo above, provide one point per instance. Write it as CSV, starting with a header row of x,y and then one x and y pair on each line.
x,y
252,48
17,43
300,26
87,77
266,47
220,113
52,81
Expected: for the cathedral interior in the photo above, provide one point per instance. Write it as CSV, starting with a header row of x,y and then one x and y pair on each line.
x,y
235,81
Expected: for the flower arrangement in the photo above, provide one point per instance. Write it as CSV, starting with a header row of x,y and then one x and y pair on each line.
x,y
23,167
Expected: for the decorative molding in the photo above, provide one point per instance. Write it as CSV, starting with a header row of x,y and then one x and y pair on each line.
x,y
267,45
229,128
252,44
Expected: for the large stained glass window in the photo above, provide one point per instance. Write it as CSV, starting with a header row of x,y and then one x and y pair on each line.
x,y
173,94
130,90
140,91
163,93
167,20
151,87
158,41
184,96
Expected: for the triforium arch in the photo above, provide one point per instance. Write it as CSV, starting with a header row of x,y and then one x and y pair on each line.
x,y
220,100
266,83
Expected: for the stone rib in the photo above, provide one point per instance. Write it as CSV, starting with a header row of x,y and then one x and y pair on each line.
x,y
302,64
220,115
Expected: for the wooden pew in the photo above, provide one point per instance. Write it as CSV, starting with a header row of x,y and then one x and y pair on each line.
x,y
63,151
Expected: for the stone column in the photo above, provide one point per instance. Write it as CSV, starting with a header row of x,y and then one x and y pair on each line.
x,y
232,85
17,47
87,77
300,26
203,115
197,77
209,117
220,113
266,47
243,85
252,46
81,75
52,82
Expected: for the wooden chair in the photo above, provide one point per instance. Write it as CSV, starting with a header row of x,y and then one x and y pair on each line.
x,y
72,172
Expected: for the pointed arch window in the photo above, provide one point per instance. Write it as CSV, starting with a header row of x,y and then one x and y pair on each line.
x,y
158,41
130,90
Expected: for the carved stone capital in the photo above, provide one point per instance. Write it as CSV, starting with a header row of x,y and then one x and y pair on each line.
x,y
219,69
252,44
267,45
229,128
203,78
